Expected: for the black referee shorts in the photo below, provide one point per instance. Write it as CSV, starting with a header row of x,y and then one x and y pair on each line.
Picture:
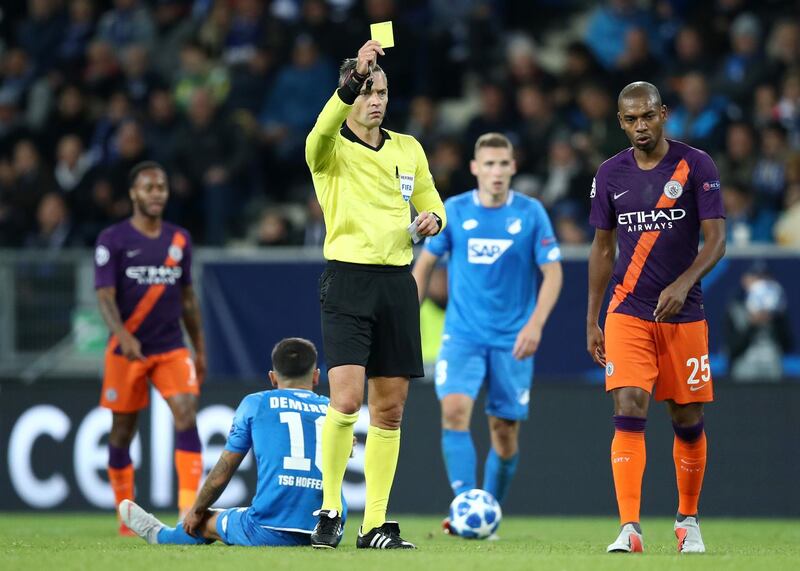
x,y
370,317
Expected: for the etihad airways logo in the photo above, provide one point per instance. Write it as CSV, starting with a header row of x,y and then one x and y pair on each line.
x,y
644,221
154,275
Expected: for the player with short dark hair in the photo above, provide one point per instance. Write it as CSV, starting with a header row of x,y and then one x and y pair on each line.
x,y
496,240
365,177
143,278
281,428
653,200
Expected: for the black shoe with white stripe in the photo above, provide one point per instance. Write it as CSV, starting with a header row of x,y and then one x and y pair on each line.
x,y
328,532
386,536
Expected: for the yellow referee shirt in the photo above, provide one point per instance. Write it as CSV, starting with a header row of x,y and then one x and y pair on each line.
x,y
364,192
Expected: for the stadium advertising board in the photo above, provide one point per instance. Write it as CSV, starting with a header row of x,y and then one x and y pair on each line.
x,y
56,452
53,452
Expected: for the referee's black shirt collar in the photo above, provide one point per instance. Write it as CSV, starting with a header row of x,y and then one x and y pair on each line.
x,y
348,134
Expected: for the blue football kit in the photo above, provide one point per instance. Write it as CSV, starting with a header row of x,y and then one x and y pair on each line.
x,y
492,280
283,428
493,257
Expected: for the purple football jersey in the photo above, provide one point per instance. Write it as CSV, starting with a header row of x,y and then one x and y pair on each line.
x,y
657,216
148,274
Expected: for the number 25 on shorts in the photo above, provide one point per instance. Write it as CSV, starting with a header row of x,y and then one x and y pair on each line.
x,y
698,366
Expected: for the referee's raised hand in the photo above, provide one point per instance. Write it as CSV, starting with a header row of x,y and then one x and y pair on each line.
x,y
367,56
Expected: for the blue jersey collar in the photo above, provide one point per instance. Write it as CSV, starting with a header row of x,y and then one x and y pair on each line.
x,y
477,200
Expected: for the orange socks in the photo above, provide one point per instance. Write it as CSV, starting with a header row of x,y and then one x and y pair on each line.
x,y
121,480
689,452
628,458
189,466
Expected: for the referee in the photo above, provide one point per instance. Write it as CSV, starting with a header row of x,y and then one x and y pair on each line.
x,y
365,177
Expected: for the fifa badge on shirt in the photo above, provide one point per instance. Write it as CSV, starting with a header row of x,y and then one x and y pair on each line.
x,y
673,189
406,185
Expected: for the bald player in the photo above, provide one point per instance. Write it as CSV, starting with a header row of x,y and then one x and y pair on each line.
x,y
652,201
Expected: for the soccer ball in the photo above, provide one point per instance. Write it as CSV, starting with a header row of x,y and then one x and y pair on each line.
x,y
475,514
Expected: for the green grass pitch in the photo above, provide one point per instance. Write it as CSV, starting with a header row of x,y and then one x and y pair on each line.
x,y
66,541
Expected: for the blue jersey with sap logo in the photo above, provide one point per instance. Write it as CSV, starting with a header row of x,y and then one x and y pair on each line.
x,y
284,429
494,253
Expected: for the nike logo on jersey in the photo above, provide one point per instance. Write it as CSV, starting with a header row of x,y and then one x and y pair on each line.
x,y
616,196
133,253
693,389
486,250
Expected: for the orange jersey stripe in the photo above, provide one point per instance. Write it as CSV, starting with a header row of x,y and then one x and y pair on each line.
x,y
151,296
645,244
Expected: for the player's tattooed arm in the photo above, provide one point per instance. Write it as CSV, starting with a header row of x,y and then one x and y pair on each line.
x,y
217,480
128,344
212,489
194,326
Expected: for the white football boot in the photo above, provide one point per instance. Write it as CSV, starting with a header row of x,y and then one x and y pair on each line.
x,y
688,534
628,541
142,523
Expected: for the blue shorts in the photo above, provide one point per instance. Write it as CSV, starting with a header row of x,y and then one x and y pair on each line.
x,y
236,526
463,367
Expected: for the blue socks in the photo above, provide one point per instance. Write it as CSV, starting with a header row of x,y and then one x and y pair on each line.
x,y
178,536
461,462
460,459
498,473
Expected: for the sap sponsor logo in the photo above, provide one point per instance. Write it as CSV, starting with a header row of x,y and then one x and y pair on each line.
x,y
486,250
101,256
154,275
593,192
514,226
711,185
643,221
470,224
673,189
554,254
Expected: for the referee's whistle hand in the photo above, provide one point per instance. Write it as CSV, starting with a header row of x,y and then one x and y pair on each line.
x,y
427,224
367,56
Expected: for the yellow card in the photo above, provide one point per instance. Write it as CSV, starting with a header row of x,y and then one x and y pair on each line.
x,y
383,34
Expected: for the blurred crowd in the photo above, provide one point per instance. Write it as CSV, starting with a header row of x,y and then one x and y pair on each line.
x,y
224,92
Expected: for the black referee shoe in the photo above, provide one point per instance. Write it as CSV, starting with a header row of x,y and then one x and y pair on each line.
x,y
328,532
386,536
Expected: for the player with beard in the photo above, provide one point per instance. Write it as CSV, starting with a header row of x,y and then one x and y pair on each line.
x,y
652,201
